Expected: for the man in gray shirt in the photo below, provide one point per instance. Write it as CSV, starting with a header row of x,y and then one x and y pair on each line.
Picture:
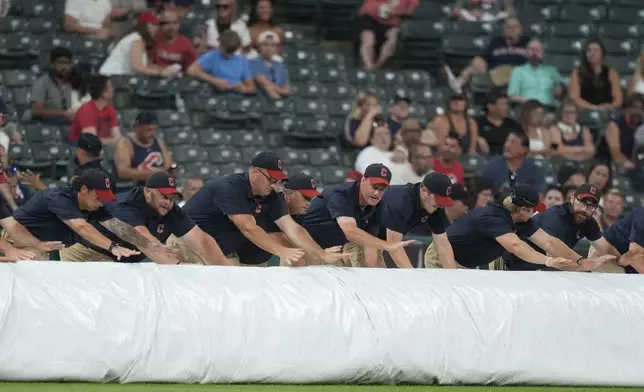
x,y
51,94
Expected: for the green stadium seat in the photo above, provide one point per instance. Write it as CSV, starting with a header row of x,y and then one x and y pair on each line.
x,y
177,136
212,137
38,133
188,154
223,155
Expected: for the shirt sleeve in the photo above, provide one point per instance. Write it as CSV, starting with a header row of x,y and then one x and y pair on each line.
x,y
514,88
126,213
339,206
246,72
436,221
493,226
85,119
528,229
276,206
231,201
38,91
591,230
64,208
72,9
207,61
182,223
256,68
637,229
244,34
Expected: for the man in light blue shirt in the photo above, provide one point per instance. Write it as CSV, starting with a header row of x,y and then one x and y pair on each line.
x,y
269,74
222,68
535,80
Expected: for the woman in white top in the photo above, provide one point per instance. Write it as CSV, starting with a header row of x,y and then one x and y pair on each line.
x,y
380,149
532,116
636,85
134,53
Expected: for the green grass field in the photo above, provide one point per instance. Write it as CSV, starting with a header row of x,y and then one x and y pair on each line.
x,y
80,387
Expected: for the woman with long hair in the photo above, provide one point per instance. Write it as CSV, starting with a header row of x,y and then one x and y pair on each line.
x,y
134,53
594,85
357,127
78,80
600,175
532,122
573,141
261,19
458,121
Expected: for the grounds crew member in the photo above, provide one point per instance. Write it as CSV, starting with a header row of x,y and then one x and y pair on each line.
x,y
568,222
227,209
482,236
62,214
345,215
406,207
625,240
150,215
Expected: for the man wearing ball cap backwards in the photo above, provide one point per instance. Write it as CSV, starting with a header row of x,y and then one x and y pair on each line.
x,y
227,209
345,215
480,238
142,219
405,207
568,222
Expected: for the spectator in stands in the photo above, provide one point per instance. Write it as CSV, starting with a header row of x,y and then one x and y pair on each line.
x,y
514,160
460,207
88,156
353,176
8,133
448,158
532,122
501,55
482,10
593,85
554,197
141,153
419,165
398,113
571,174
613,207
636,84
457,121
97,116
600,175
620,134
409,135
379,149
569,191
357,128
19,187
378,23
495,125
79,83
89,17
269,74
182,9
483,195
260,21
173,49
535,80
572,141
51,93
225,20
225,70
123,15
191,186
135,53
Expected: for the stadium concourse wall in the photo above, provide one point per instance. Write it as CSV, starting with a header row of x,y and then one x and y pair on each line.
x,y
105,322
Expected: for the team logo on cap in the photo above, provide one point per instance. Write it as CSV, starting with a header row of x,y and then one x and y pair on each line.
x,y
593,190
279,164
448,191
258,209
160,228
171,181
313,184
107,183
383,172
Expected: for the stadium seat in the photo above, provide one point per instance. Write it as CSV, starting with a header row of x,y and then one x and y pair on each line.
x,y
248,138
212,137
223,155
332,75
231,168
309,90
199,170
339,108
581,13
310,107
38,133
176,136
293,156
302,74
171,118
308,170
20,154
324,157
333,174
188,154
342,91
248,153
61,154
279,106
18,78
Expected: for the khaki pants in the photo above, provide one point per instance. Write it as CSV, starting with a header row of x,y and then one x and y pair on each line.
x,y
190,256
605,248
40,256
432,260
357,259
81,253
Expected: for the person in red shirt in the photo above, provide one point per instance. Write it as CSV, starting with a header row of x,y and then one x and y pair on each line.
x,y
172,47
378,23
448,158
97,116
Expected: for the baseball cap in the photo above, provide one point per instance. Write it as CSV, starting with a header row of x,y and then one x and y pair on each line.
x,y
353,175
587,191
524,195
146,118
164,183
303,183
270,162
399,98
99,182
441,187
148,17
459,192
377,173
90,143
266,35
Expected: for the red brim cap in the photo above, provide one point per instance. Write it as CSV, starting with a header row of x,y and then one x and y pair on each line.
x,y
378,180
443,201
277,174
540,207
105,194
169,191
309,192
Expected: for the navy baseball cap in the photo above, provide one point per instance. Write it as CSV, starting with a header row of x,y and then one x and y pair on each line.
x,y
587,192
164,183
303,183
441,187
524,195
270,162
377,173
90,143
98,181
146,118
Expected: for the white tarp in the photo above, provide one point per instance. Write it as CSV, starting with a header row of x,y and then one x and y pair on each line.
x,y
136,323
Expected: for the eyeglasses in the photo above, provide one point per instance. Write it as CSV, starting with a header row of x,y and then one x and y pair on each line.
x,y
271,180
588,205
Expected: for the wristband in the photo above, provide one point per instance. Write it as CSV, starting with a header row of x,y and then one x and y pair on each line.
x,y
547,261
579,260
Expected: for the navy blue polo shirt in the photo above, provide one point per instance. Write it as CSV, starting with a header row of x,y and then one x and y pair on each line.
x,y
559,222
341,200
626,230
231,195
131,208
473,237
44,213
401,210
